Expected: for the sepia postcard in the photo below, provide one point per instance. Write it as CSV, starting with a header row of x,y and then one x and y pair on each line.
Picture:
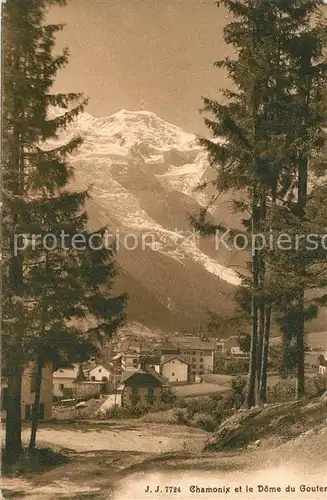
x,y
164,249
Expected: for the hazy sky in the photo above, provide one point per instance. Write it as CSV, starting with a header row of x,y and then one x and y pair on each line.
x,y
155,55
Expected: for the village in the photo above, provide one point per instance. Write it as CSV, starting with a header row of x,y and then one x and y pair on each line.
x,y
134,372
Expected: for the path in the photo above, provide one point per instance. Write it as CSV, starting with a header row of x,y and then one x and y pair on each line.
x,y
117,470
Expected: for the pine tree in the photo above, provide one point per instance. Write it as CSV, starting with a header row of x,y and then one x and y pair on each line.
x,y
243,160
269,131
44,290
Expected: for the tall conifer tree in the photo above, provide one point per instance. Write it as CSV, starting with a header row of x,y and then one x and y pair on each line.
x,y
44,289
269,127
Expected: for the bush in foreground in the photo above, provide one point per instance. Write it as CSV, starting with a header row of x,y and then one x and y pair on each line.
x,y
205,421
39,460
284,390
316,386
122,412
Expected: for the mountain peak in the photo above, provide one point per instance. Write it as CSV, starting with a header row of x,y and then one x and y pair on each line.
x,y
143,171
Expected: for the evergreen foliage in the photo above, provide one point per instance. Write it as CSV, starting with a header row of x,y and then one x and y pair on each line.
x,y
269,141
57,301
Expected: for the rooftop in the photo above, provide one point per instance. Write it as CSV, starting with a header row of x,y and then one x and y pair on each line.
x,y
169,346
67,372
193,343
173,356
152,360
148,371
106,366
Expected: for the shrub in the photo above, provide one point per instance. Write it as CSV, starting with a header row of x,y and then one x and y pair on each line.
x,y
317,385
181,403
161,417
40,460
159,407
120,412
168,398
205,421
181,415
284,390
219,366
237,366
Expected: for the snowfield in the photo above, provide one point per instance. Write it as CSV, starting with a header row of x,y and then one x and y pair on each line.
x,y
130,156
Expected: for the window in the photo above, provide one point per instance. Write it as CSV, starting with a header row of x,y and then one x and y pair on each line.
x,y
173,374
201,353
194,353
93,378
201,367
219,348
104,379
100,370
201,360
150,396
194,366
193,360
61,387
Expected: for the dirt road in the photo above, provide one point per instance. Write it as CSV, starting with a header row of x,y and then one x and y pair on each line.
x,y
127,458
99,451
125,435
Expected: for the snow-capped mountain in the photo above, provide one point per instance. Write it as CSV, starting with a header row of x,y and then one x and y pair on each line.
x,y
143,174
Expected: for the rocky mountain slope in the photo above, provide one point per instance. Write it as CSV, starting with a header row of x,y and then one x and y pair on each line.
x,y
143,173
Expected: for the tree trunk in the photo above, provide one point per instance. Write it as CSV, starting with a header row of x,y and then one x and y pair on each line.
x,y
265,353
302,201
13,444
303,172
36,405
261,335
300,385
250,397
251,386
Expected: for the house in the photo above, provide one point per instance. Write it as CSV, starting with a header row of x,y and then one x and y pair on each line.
x,y
169,348
89,388
175,369
63,380
142,387
153,361
132,352
101,373
197,352
225,347
28,392
237,353
130,360
312,361
117,362
71,382
106,372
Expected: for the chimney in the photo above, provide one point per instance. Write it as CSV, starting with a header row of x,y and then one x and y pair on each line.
x,y
143,364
